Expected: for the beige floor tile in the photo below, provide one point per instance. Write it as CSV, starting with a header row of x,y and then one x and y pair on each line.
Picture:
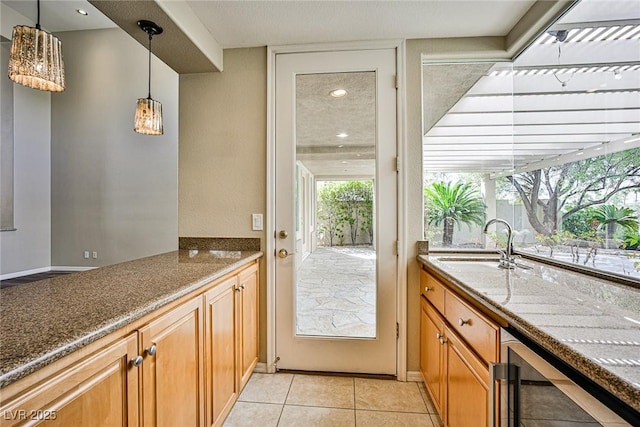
x,y
248,414
385,395
325,391
311,416
267,388
427,399
391,419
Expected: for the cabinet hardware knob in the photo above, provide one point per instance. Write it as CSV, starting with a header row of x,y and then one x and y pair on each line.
x,y
443,340
238,289
137,361
438,335
151,351
242,287
463,322
283,253
427,289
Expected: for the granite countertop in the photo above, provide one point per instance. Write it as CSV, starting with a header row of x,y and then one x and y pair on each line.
x,y
43,321
591,324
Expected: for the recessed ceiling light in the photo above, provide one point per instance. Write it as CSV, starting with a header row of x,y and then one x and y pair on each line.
x,y
82,12
338,93
340,146
343,162
342,135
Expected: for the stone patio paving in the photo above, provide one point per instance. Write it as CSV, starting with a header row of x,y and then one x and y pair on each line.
x,y
336,293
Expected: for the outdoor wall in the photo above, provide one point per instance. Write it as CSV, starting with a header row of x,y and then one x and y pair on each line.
x,y
113,191
29,247
223,154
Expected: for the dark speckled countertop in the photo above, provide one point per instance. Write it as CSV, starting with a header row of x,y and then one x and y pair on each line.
x,y
43,321
591,324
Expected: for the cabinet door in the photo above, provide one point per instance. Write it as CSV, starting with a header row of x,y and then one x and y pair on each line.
x,y
101,390
220,350
249,328
431,352
172,378
467,385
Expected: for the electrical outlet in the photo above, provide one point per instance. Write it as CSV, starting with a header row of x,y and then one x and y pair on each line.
x,y
95,255
86,254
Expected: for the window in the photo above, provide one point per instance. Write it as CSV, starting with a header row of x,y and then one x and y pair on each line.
x,y
550,143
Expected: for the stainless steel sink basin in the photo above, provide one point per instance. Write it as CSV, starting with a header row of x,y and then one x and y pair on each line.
x,y
477,262
468,259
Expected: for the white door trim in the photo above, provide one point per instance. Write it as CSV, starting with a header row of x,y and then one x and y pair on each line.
x,y
270,258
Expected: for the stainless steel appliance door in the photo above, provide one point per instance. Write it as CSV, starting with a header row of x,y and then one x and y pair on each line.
x,y
532,393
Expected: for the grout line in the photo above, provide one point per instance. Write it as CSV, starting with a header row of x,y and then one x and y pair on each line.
x,y
355,409
395,412
285,399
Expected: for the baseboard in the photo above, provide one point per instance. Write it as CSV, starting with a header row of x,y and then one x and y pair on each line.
x,y
70,268
414,376
43,270
24,273
261,368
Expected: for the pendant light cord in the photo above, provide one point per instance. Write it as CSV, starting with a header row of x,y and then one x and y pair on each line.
x,y
38,22
150,36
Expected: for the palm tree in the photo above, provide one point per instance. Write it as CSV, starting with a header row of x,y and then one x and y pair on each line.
x,y
610,217
453,203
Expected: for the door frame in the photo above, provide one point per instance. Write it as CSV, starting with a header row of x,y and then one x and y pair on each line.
x,y
401,138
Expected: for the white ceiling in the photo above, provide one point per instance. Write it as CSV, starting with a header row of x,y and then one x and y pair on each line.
x,y
261,23
61,15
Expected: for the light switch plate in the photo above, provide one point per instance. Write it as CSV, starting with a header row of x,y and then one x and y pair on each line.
x,y
256,222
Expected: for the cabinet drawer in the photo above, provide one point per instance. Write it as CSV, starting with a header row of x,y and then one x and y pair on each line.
x,y
432,290
479,332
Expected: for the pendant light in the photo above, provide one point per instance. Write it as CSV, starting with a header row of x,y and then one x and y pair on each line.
x,y
35,59
148,120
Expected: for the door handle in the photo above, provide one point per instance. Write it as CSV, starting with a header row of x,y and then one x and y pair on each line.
x,y
283,253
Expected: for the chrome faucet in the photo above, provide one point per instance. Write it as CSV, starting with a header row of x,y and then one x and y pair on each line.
x,y
506,257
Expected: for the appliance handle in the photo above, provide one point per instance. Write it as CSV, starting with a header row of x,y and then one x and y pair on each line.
x,y
511,374
492,394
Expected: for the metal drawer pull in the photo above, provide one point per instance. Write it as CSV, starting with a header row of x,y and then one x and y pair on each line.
x,y
443,340
463,322
136,361
427,289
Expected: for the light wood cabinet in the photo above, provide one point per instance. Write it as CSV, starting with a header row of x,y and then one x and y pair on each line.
x,y
467,385
457,343
221,350
172,372
183,365
231,341
249,318
431,352
101,390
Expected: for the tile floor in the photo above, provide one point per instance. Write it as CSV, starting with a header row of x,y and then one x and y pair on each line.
x,y
336,292
284,399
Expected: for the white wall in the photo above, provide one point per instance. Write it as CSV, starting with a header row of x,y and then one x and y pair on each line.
x,y
29,247
113,191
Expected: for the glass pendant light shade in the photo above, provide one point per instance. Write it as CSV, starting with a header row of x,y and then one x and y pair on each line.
x,y
35,59
148,119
